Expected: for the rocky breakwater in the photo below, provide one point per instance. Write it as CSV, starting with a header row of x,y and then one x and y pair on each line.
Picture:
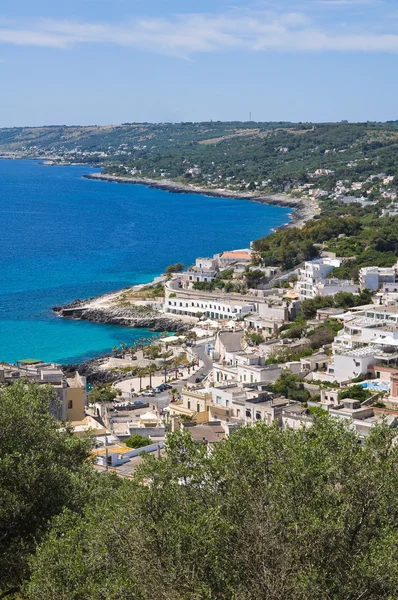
x,y
125,316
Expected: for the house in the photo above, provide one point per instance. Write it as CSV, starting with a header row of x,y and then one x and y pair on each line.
x,y
246,369
330,287
228,258
316,362
268,328
295,417
372,278
227,344
206,433
70,391
281,308
114,454
266,410
348,365
194,404
330,397
322,172
204,271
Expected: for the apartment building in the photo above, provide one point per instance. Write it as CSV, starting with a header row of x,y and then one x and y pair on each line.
x,y
313,279
191,305
371,278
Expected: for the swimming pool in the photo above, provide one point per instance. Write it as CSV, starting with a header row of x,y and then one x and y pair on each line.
x,y
376,385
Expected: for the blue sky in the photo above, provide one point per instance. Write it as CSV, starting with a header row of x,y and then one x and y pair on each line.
x,y
113,61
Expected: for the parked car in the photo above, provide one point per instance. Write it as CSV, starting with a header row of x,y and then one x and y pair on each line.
x,y
147,393
199,379
138,403
166,386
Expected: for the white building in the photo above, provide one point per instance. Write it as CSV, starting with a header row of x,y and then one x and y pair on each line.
x,y
213,307
347,365
245,369
314,273
372,278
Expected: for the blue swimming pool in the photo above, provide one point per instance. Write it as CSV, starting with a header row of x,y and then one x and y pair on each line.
x,y
376,385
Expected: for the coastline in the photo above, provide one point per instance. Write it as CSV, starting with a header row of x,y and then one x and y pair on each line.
x,y
302,209
102,309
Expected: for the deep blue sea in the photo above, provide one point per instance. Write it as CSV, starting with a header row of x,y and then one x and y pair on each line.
x,y
63,237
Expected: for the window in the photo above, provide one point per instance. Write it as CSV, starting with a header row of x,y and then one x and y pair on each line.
x,y
70,404
189,404
218,399
238,412
198,407
248,414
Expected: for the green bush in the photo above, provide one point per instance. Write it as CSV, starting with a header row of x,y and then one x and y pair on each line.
x,y
137,441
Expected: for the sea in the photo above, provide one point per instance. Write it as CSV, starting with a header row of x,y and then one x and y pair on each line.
x,y
64,237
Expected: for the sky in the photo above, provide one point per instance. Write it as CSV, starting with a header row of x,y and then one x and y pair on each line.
x,y
87,62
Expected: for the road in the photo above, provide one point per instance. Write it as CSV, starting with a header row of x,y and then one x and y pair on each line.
x,y
207,363
161,401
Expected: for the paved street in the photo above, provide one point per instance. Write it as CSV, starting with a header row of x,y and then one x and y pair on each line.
x,y
200,351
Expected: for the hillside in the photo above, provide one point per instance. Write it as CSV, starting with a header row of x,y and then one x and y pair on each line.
x,y
270,156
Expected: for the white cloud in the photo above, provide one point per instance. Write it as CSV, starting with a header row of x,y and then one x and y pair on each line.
x,y
185,35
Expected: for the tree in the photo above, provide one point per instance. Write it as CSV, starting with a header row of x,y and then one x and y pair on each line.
x,y
140,373
137,441
151,370
356,392
254,338
42,468
270,513
291,386
176,268
253,278
153,351
105,392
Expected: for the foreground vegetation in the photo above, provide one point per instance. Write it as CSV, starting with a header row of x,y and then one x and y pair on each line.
x,y
269,513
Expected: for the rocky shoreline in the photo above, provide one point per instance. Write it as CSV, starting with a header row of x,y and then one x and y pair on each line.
x,y
103,309
132,316
303,210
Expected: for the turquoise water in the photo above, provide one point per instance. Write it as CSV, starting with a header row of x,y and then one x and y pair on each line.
x,y
63,237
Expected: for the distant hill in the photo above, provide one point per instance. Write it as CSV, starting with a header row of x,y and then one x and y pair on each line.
x,y
275,155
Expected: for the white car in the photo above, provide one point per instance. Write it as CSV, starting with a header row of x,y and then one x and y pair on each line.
x,y
147,393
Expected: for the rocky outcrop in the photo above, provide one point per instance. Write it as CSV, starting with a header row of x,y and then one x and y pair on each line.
x,y
129,316
95,373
